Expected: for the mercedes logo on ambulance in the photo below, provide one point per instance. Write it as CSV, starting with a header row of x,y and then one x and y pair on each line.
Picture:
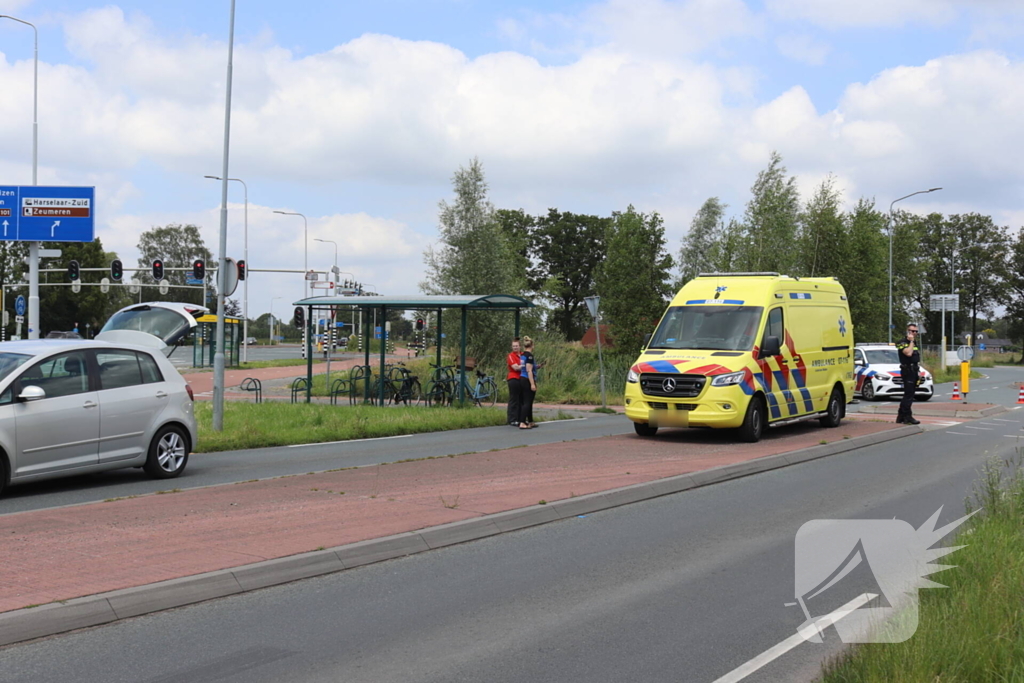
x,y
668,385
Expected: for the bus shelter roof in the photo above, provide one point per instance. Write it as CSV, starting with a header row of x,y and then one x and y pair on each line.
x,y
484,302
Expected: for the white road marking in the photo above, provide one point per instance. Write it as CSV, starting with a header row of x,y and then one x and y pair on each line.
x,y
810,631
997,419
328,443
984,429
1013,436
946,424
960,433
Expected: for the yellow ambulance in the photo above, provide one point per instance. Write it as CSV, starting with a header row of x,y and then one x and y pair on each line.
x,y
746,351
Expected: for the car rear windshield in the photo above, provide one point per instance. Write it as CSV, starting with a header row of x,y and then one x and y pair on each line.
x,y
9,362
716,328
882,357
161,322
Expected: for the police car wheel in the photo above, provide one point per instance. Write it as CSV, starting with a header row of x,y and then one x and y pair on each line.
x,y
868,390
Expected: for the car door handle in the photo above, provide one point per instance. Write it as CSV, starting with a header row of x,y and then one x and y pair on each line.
x,y
161,394
89,404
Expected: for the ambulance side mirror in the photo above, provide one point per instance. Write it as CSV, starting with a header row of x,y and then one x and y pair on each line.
x,y
771,347
647,340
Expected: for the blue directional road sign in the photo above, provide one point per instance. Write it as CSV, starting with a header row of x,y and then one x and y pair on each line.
x,y
19,306
33,213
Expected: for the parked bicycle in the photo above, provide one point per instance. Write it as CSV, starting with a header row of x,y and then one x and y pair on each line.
x,y
485,392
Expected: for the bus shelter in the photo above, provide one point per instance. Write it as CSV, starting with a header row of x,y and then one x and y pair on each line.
x,y
204,341
439,303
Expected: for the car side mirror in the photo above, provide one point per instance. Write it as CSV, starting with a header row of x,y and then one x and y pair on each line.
x,y
859,362
647,340
31,393
771,347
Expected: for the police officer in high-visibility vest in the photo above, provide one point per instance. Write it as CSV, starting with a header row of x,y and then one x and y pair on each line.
x,y
910,370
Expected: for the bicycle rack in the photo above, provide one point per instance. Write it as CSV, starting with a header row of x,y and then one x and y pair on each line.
x,y
360,373
340,386
253,384
298,386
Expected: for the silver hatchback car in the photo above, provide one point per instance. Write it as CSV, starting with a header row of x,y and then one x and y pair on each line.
x,y
73,407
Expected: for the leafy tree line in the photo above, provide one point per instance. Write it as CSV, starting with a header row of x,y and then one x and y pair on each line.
x,y
561,257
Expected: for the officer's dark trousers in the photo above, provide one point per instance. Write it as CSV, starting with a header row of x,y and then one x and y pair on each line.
x,y
513,400
909,389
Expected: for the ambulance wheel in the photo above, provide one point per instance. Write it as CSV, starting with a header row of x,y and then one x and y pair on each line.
x,y
644,429
867,391
834,411
754,421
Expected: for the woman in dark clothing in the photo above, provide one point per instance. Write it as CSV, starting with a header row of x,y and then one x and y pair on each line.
x,y
528,385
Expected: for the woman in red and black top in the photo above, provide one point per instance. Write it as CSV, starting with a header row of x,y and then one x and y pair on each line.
x,y
512,379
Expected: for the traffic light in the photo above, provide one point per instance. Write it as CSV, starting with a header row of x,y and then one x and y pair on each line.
x,y
116,270
74,272
299,317
158,270
199,269
419,323
241,270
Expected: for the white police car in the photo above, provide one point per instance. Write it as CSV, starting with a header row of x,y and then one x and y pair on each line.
x,y
877,372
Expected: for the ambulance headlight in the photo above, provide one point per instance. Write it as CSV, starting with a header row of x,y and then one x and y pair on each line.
x,y
633,377
727,380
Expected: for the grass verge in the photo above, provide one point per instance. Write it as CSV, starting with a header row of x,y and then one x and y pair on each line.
x,y
248,425
972,631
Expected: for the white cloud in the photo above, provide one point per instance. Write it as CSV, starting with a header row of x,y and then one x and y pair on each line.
x,y
12,6
802,48
837,13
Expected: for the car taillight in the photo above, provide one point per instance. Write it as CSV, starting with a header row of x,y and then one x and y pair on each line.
x,y
188,388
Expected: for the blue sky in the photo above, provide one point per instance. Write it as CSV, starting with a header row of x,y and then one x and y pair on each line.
x,y
357,114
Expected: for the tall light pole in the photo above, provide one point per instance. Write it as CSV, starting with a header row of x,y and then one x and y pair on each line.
x,y
272,300
245,257
305,248
33,247
892,227
222,270
335,269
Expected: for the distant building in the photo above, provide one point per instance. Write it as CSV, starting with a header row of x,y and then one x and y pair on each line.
x,y
590,337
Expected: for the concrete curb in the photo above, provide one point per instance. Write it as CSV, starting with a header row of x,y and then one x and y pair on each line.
x,y
930,411
94,610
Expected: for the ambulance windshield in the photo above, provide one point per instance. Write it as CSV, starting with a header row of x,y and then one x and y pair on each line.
x,y
713,328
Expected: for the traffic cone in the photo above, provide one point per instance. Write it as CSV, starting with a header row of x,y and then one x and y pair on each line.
x,y
956,392
1020,394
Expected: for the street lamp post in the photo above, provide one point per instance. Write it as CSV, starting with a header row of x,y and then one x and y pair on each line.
x,y
245,257
222,270
892,228
33,247
305,248
335,270
272,300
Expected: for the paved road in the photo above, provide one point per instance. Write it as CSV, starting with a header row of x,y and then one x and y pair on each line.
x,y
206,469
682,588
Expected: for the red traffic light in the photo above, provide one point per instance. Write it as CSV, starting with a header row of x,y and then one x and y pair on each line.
x,y
241,270
199,269
419,323
158,269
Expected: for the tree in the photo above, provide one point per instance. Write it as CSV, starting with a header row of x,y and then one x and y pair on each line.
x,y
822,232
569,247
1013,296
634,279
864,273
62,309
231,308
473,256
981,263
12,272
517,226
178,245
770,221
701,247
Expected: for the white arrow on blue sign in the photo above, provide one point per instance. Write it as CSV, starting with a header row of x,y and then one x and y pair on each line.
x,y
19,306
